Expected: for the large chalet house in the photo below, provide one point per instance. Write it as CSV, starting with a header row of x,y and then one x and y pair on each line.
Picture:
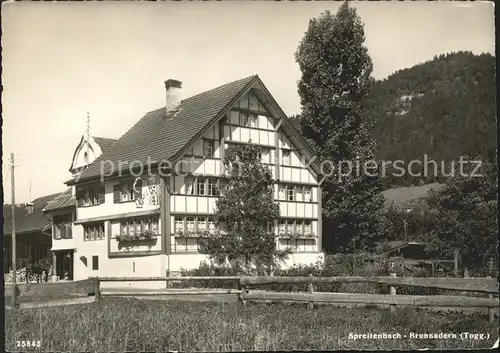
x,y
116,221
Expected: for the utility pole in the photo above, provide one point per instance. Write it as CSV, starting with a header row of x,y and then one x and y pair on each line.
x,y
14,269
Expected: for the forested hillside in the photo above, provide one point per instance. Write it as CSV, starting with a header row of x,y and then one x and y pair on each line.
x,y
444,108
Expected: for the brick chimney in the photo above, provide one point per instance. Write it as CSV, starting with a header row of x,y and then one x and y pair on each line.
x,y
30,206
173,95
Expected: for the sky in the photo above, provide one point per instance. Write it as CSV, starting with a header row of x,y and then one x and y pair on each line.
x,y
110,59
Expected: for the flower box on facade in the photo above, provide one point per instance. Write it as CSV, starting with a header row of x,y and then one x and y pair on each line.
x,y
192,234
296,235
146,236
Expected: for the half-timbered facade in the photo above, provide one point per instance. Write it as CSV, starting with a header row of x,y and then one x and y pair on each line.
x,y
142,205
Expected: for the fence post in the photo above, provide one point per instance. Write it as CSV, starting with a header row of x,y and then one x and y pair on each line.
x,y
243,291
455,262
15,294
97,290
310,290
491,312
392,291
466,272
466,275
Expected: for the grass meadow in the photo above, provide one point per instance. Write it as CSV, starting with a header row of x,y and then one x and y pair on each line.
x,y
122,324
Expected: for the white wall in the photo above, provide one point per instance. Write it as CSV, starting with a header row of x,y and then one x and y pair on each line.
x,y
109,208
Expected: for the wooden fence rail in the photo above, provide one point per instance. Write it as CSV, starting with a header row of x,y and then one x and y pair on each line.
x,y
451,301
245,283
477,284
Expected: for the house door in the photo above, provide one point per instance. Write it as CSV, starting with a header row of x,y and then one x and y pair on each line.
x,y
65,264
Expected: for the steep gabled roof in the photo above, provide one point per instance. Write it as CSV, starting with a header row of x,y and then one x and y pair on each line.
x,y
26,223
160,138
63,200
104,142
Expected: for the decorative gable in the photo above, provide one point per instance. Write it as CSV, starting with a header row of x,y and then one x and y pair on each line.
x,y
87,151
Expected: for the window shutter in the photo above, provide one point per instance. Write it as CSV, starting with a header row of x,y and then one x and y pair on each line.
x,y
102,194
138,187
116,193
95,262
69,231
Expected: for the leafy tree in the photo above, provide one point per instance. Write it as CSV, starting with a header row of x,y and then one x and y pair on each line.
x,y
396,220
335,82
246,212
465,216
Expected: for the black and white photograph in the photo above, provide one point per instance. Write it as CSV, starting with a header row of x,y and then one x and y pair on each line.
x,y
224,176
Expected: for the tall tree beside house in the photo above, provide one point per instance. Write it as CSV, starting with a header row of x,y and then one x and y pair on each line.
x,y
335,82
464,216
245,213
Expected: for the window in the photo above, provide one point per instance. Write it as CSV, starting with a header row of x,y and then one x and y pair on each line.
x,y
252,120
201,186
265,155
290,193
299,226
282,192
189,186
212,187
307,227
222,187
282,227
93,231
125,192
63,226
179,224
202,224
299,193
211,224
286,157
208,148
90,196
131,227
307,194
243,119
190,223
136,226
153,225
95,262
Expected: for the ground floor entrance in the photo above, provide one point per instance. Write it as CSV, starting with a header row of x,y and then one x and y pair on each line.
x,y
62,264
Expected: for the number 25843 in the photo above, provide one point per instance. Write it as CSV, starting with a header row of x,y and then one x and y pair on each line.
x,y
28,344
